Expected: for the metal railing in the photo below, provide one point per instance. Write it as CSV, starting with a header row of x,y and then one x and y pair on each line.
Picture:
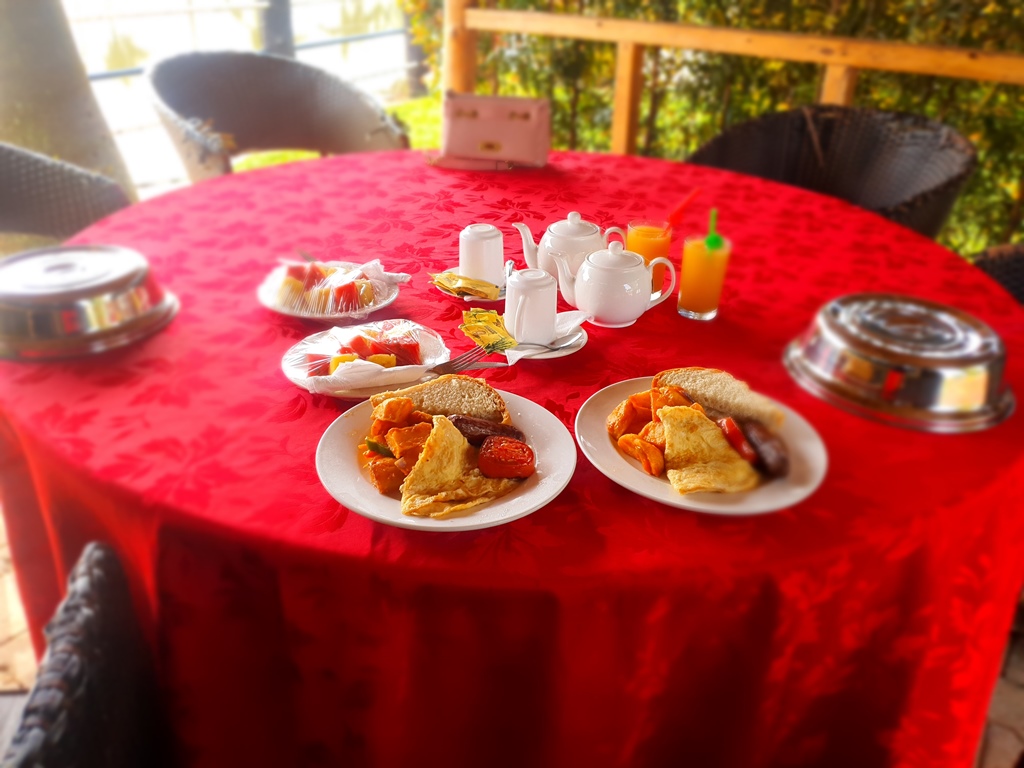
x,y
113,74
276,23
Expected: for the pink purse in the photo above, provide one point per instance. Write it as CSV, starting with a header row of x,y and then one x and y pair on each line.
x,y
494,132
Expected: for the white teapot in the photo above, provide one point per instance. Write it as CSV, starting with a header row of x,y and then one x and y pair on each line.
x,y
613,285
572,236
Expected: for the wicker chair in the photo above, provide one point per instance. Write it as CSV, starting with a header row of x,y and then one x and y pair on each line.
x,y
216,105
905,167
42,196
1005,265
94,702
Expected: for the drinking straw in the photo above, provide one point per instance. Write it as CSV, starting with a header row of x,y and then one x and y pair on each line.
x,y
676,216
713,241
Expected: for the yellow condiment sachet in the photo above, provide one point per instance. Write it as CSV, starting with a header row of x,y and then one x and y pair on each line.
x,y
487,329
457,285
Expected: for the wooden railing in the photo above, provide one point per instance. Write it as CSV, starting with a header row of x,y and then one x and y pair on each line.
x,y
841,57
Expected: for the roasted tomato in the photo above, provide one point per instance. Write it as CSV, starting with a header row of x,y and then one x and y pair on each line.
x,y
737,439
506,457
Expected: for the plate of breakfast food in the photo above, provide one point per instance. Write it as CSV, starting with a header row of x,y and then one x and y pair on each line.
x,y
699,439
450,454
329,291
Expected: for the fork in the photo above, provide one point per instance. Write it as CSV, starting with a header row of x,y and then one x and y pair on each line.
x,y
460,363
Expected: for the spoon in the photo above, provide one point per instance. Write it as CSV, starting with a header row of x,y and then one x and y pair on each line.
x,y
559,343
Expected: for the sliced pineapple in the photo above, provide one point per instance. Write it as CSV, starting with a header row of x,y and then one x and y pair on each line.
x,y
341,360
388,361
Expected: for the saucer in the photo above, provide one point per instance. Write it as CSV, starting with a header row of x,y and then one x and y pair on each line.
x,y
551,354
501,292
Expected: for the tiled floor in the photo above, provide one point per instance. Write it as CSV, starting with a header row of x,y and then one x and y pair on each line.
x,y
17,659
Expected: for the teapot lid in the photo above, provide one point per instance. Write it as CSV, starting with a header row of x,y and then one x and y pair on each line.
x,y
574,226
616,256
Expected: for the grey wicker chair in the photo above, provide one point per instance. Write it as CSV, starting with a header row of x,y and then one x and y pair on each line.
x,y
43,196
94,703
216,105
1005,265
904,167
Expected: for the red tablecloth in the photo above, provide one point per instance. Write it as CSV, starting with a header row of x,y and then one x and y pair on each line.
x,y
862,627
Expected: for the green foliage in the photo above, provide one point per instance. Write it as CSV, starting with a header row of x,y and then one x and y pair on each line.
x,y
254,160
422,120
689,97
123,53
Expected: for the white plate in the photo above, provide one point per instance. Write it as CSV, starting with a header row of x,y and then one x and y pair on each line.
x,y
551,354
266,294
808,461
294,366
501,292
337,464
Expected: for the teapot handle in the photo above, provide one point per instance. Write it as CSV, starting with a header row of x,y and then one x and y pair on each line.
x,y
614,231
657,298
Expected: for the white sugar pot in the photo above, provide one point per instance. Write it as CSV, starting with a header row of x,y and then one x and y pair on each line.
x,y
613,285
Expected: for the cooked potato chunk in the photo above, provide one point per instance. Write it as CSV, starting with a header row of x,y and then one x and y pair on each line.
x,y
651,459
626,419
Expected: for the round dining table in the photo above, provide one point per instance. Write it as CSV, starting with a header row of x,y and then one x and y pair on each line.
x,y
862,626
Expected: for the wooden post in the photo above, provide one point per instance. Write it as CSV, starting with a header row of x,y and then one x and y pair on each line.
x,y
628,87
839,85
459,55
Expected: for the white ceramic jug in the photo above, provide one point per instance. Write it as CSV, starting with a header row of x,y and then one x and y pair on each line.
x,y
613,285
531,297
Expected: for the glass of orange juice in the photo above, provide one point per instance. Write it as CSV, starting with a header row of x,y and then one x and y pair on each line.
x,y
702,276
650,238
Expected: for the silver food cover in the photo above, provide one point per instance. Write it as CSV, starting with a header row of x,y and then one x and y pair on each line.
x,y
78,300
905,361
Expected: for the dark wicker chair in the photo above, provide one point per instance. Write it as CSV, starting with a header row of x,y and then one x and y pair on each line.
x,y
216,105
1005,265
905,167
43,196
95,701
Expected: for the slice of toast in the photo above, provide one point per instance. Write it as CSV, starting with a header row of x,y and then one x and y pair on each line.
x,y
451,394
722,394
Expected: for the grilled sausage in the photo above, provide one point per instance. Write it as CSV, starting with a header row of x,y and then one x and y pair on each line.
x,y
772,457
477,430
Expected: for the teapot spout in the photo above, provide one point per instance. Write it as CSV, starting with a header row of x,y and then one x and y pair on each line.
x,y
566,280
529,246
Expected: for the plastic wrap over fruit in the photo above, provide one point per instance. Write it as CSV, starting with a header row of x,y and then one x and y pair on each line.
x,y
381,355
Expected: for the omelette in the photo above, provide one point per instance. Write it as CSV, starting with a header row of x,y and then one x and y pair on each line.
x,y
445,481
699,458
